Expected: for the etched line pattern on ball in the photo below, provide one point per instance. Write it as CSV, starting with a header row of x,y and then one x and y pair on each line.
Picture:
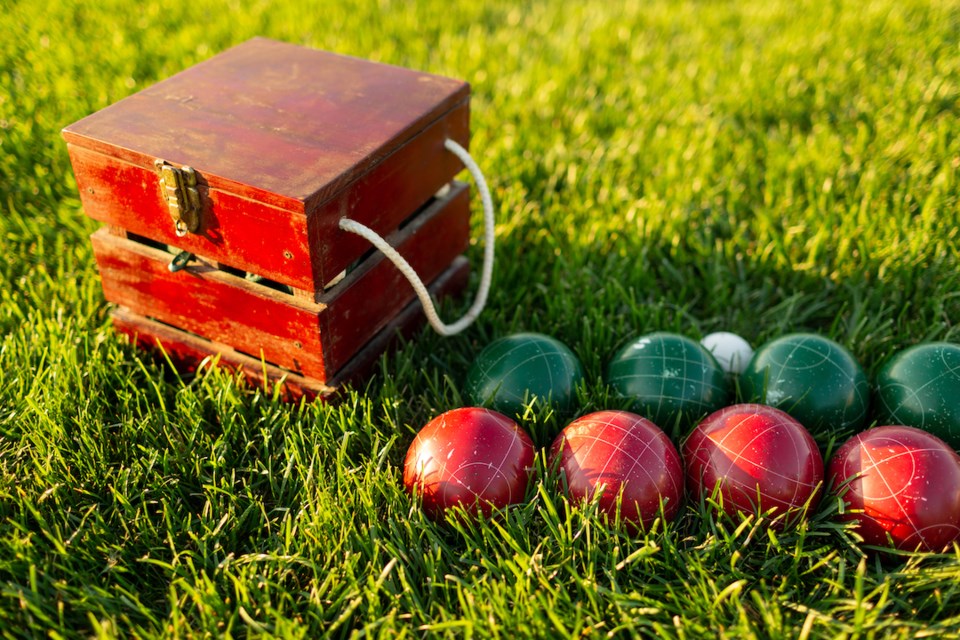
x,y
549,359
757,459
514,442
894,495
636,460
497,471
796,483
914,392
903,486
671,368
891,494
908,394
804,344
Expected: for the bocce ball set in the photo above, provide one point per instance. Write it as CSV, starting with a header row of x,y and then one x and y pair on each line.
x,y
240,199
901,482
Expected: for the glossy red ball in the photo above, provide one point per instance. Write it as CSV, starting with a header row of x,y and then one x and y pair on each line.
x,y
476,458
614,451
900,482
760,457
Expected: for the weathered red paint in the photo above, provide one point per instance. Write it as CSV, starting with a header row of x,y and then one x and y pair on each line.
x,y
315,339
285,141
190,353
282,138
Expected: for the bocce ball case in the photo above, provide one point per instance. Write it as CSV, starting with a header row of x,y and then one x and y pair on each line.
x,y
246,163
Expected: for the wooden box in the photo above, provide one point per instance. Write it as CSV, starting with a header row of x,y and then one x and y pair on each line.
x,y
243,165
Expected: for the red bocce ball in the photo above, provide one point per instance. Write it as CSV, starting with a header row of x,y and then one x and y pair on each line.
x,y
620,451
902,482
761,458
476,458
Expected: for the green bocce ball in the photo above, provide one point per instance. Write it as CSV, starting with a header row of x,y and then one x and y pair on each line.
x,y
671,379
814,379
920,387
524,368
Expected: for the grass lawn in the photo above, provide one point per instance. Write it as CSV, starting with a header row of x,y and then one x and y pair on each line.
x,y
760,167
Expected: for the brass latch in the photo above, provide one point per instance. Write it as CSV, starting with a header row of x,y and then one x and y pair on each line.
x,y
179,189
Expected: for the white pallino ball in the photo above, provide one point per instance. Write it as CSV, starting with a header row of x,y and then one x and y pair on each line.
x,y
731,351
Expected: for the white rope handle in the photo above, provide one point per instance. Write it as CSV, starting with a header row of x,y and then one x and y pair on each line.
x,y
486,272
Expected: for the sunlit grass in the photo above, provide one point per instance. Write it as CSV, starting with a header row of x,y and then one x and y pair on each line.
x,y
759,167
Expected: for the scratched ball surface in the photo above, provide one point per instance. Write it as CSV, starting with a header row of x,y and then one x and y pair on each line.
x,y
900,482
670,378
476,458
616,451
920,387
730,350
760,457
522,368
812,378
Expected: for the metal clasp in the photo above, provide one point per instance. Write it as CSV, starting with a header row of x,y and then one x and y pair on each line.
x,y
179,190
180,261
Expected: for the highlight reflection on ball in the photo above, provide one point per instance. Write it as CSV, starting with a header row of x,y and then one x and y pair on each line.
x,y
902,485
620,452
814,379
476,458
920,387
760,457
669,377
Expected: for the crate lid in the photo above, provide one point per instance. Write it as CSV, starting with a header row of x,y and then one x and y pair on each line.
x,y
288,123
270,127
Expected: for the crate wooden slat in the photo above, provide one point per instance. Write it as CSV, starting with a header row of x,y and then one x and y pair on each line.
x,y
314,339
190,353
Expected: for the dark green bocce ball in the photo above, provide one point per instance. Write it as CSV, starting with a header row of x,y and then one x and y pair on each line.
x,y
920,387
671,379
814,379
523,368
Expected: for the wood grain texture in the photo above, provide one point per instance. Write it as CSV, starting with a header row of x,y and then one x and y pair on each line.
x,y
370,295
315,339
285,141
301,122
386,195
241,233
190,353
212,303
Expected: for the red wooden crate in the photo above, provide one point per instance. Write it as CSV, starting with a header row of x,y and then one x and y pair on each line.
x,y
248,161
285,141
